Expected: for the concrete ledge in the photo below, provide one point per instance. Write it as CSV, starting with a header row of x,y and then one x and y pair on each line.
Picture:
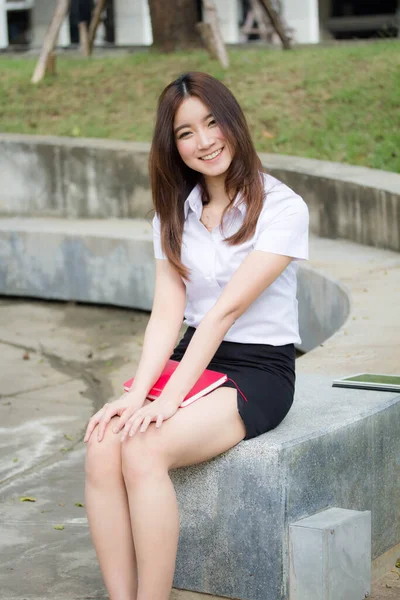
x,y
260,487
111,262
74,177
336,447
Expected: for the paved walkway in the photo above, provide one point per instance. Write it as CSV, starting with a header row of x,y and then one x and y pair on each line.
x,y
60,362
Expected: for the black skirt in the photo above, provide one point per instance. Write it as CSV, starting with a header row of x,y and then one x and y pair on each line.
x,y
264,374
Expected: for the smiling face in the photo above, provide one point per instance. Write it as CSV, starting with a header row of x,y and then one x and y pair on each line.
x,y
199,140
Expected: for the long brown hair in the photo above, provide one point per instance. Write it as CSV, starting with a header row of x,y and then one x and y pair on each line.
x,y
172,180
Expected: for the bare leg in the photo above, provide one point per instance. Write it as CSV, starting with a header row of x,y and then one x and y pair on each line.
x,y
155,523
195,434
108,515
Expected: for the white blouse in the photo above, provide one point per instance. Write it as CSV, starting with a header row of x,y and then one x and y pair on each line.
x,y
282,228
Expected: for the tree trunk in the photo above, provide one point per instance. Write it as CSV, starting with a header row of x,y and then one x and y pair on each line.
x,y
50,41
174,24
211,34
276,22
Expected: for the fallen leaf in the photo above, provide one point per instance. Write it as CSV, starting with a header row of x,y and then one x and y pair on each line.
x,y
61,504
27,499
267,134
89,354
398,563
15,459
26,356
59,527
395,571
68,437
79,504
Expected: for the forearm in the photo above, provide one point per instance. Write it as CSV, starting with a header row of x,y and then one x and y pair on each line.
x,y
202,347
159,341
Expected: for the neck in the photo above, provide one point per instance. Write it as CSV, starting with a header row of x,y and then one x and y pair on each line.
x,y
216,191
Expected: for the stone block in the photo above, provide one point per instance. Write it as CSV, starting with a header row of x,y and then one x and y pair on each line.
x,y
330,556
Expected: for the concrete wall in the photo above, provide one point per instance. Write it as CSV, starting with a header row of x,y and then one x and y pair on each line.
x,y
73,178
111,262
324,305
68,177
354,203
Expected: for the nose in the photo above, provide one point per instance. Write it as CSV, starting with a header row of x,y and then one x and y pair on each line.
x,y
204,139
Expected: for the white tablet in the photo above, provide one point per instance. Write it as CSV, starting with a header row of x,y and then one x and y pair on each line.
x,y
370,381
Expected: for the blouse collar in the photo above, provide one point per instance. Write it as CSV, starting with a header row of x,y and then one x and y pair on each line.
x,y
193,202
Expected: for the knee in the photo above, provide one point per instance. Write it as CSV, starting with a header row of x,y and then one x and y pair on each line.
x,y
103,459
142,456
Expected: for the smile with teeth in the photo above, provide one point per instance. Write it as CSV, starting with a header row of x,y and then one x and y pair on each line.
x,y
213,155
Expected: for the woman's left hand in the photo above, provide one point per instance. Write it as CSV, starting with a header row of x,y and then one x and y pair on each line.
x,y
157,411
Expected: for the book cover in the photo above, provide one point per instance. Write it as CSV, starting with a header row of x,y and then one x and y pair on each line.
x,y
207,382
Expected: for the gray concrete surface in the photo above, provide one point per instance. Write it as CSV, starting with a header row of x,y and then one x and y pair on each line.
x,y
78,357
111,261
330,555
76,177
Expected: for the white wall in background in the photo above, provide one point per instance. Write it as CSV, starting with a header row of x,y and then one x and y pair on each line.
x,y
132,23
303,17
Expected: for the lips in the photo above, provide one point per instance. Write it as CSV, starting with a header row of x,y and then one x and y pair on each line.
x,y
209,157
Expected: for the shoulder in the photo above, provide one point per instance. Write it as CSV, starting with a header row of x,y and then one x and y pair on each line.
x,y
280,201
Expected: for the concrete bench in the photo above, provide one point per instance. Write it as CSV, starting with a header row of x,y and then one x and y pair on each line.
x,y
336,447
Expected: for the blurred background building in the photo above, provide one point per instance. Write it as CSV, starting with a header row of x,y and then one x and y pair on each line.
x,y
23,23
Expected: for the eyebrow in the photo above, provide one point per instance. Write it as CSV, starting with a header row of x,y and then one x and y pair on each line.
x,y
187,125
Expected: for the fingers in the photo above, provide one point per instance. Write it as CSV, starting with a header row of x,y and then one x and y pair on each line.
x,y
127,414
105,419
141,420
93,422
132,425
101,418
145,423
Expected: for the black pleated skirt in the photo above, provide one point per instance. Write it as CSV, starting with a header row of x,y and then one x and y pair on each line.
x,y
264,374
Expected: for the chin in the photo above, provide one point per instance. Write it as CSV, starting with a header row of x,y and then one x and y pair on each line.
x,y
215,171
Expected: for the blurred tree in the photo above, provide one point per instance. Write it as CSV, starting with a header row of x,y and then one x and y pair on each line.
x,y
174,24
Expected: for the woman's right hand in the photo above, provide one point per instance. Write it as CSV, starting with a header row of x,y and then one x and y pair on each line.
x,y
127,402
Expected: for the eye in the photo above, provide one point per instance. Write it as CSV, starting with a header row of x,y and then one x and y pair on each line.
x,y
212,123
183,135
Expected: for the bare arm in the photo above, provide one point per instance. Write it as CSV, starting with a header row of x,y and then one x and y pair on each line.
x,y
255,274
159,340
162,329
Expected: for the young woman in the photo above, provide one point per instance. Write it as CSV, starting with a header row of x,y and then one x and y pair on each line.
x,y
226,236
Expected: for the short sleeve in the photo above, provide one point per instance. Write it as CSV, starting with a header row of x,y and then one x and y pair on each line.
x,y
158,253
283,226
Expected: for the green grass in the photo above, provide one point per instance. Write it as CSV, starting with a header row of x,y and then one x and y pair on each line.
x,y
339,103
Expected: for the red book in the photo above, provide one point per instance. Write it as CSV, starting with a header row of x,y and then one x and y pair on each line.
x,y
207,382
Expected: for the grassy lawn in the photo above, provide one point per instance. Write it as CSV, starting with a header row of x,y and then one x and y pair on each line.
x,y
339,103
